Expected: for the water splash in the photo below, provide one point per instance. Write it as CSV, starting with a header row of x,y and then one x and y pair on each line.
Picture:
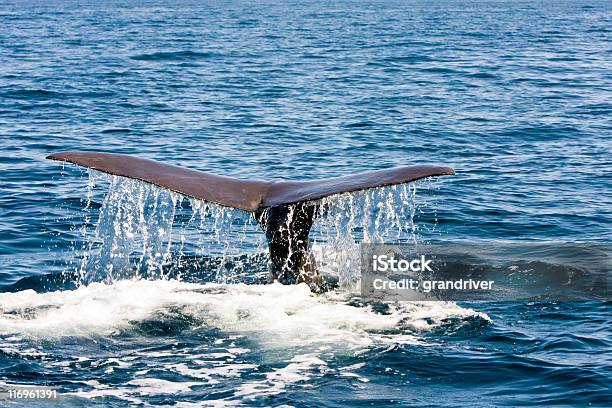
x,y
382,215
147,232
278,316
133,234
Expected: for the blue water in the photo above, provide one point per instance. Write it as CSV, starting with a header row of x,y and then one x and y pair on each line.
x,y
516,96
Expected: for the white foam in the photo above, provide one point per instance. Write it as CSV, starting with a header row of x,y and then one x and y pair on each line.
x,y
214,373
299,369
148,386
275,315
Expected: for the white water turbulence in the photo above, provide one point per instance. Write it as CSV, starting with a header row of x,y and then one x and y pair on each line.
x,y
276,315
265,338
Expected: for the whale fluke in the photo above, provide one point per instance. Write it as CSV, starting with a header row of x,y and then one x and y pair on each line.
x,y
285,210
230,192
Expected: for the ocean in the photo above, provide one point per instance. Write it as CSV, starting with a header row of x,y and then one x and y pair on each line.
x,y
114,293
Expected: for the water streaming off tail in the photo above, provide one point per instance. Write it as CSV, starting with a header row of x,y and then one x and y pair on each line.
x,y
147,232
371,216
144,231
133,235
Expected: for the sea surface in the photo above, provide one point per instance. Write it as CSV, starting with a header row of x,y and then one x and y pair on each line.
x,y
115,293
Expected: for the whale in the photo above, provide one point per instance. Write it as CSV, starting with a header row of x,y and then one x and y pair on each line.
x,y
285,210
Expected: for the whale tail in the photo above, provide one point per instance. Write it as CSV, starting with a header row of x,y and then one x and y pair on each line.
x,y
285,210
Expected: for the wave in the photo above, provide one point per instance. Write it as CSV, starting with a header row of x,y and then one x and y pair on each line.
x,y
174,56
43,94
116,130
31,94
